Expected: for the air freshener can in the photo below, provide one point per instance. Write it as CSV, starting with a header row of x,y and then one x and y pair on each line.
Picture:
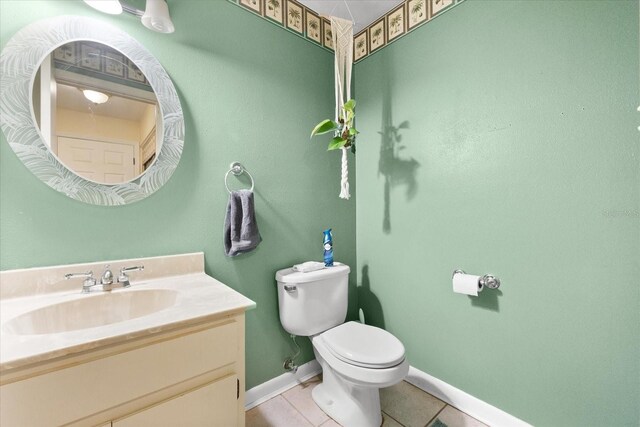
x,y
328,248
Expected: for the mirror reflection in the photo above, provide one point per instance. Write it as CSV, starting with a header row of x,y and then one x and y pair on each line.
x,y
97,112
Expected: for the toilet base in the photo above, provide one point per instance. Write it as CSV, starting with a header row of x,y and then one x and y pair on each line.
x,y
349,404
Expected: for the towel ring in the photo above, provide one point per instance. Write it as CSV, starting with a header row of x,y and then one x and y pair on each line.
x,y
236,168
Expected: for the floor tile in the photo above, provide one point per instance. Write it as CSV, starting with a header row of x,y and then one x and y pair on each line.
x,y
330,423
409,405
451,417
300,397
277,412
387,421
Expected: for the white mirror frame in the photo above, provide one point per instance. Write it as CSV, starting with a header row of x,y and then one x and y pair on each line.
x,y
19,62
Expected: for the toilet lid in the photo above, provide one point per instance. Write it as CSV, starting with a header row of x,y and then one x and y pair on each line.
x,y
364,345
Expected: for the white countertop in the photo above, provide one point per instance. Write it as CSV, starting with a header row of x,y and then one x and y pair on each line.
x,y
199,298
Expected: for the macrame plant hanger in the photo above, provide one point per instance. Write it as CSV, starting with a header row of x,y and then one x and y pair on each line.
x,y
342,34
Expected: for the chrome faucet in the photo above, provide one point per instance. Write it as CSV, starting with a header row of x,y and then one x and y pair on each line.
x,y
106,280
107,276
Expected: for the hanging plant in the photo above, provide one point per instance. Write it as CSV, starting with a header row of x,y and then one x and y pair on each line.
x,y
344,134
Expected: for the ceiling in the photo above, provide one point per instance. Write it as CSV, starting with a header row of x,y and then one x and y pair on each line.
x,y
71,98
364,12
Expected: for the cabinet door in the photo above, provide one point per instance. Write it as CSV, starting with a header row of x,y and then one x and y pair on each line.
x,y
214,404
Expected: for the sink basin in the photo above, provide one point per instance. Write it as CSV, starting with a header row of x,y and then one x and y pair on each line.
x,y
91,311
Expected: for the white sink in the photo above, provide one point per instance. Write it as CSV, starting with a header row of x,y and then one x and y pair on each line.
x,y
44,317
91,311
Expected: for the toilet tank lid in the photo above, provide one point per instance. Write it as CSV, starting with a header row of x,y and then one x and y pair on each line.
x,y
289,275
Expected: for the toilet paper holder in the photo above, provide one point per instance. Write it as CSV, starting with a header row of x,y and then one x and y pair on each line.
x,y
488,280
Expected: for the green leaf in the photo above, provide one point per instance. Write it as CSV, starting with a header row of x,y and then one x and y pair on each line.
x,y
336,143
350,105
353,131
323,127
349,116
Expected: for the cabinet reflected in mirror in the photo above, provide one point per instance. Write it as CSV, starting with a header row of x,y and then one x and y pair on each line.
x,y
97,112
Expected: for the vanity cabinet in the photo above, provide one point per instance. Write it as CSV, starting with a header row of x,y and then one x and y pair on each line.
x,y
205,406
189,376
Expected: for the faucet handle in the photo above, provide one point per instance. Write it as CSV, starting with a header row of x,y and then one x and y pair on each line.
x,y
123,278
89,280
88,274
130,269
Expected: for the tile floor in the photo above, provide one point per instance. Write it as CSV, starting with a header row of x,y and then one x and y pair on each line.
x,y
402,405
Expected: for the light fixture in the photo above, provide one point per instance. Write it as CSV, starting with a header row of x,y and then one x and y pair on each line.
x,y
155,16
95,96
112,7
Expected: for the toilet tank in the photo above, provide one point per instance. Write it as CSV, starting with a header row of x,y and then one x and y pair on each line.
x,y
313,302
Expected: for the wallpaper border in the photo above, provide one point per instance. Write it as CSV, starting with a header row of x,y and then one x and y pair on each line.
x,y
403,19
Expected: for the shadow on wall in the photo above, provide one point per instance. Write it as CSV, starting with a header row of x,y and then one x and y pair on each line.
x,y
395,169
487,299
369,302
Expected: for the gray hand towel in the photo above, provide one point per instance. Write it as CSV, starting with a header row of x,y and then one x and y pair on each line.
x,y
240,227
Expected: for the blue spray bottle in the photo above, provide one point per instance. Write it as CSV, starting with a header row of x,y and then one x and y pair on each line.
x,y
328,248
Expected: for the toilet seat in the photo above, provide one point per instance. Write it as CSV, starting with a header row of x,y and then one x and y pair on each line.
x,y
360,375
363,345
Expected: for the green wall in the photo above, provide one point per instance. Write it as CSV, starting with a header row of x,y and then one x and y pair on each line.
x,y
501,137
508,144
251,92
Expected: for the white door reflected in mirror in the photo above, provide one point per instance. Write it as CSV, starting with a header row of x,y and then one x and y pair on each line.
x,y
97,112
98,161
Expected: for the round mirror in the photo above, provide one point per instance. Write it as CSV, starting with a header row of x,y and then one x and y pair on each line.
x,y
96,112
89,111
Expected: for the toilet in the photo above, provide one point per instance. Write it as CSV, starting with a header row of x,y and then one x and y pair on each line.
x,y
356,359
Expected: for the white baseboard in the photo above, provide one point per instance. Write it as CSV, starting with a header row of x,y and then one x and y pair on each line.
x,y
275,386
457,398
466,403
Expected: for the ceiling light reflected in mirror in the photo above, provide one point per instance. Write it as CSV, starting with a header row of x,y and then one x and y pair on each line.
x,y
95,96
